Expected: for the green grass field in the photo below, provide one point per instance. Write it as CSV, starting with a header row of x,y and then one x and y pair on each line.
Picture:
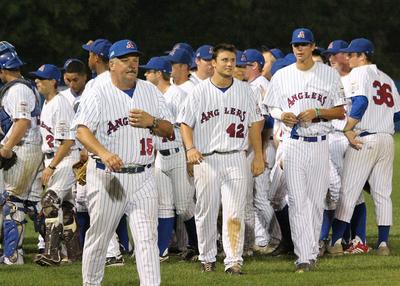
x,y
349,270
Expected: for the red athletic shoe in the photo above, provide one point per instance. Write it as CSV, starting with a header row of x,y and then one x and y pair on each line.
x,y
357,247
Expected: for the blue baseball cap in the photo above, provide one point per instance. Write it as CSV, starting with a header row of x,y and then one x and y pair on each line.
x,y
6,47
205,52
279,64
291,58
47,71
184,46
334,47
10,60
360,45
158,64
252,55
67,62
302,35
277,53
122,48
99,47
239,57
180,56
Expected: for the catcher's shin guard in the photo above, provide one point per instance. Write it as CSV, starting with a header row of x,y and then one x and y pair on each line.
x,y
51,255
71,233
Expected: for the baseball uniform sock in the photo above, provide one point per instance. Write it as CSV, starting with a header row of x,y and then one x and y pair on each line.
x,y
326,224
122,232
359,222
83,220
338,228
165,228
383,233
191,232
283,219
347,234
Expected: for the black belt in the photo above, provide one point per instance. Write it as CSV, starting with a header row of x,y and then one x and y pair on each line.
x,y
49,155
222,153
125,170
168,152
308,139
316,120
366,133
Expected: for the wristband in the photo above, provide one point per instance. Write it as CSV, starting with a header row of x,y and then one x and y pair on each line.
x,y
318,112
51,167
156,121
188,149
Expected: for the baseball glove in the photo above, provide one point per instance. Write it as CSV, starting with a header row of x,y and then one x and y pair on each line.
x,y
80,172
7,163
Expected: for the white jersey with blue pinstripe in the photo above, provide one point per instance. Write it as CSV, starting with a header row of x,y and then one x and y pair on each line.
x,y
295,91
221,119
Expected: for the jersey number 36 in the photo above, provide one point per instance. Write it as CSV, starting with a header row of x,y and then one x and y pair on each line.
x,y
383,94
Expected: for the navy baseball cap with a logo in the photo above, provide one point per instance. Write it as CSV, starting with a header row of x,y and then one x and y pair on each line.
x,y
302,35
360,45
158,64
122,48
205,52
277,53
253,55
99,47
239,57
47,71
334,47
184,46
179,56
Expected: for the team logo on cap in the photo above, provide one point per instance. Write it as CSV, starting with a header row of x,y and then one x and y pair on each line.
x,y
330,45
41,68
301,35
210,51
243,58
130,45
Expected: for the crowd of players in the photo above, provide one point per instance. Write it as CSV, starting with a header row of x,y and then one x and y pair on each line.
x,y
280,209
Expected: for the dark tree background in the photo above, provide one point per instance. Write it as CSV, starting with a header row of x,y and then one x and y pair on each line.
x,y
50,31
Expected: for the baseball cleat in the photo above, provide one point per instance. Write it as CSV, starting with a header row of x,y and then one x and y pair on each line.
x,y
164,258
267,249
190,254
323,245
357,247
283,248
115,261
207,266
235,269
336,249
383,249
302,267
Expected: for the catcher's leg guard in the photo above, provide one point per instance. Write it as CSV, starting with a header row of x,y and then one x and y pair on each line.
x,y
71,233
38,219
13,228
54,228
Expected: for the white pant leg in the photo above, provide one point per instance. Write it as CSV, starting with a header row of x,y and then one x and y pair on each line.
x,y
113,247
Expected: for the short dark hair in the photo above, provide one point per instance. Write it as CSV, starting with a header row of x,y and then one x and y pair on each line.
x,y
76,66
221,48
166,76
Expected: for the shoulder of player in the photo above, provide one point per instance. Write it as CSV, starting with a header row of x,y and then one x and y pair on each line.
x,y
20,87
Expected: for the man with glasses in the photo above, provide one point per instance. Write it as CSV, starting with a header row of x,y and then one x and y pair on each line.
x,y
369,129
305,96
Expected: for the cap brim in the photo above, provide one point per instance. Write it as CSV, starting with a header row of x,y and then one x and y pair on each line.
x,y
35,74
86,47
137,53
300,41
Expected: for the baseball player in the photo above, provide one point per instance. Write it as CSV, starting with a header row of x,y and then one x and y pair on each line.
x,y
203,62
369,129
116,122
181,61
217,119
60,154
270,56
75,78
305,96
175,191
337,147
240,66
20,110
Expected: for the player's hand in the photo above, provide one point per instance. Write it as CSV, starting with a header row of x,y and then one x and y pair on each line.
x,y
289,119
194,156
6,153
257,166
190,170
353,141
83,155
112,161
307,115
46,175
140,118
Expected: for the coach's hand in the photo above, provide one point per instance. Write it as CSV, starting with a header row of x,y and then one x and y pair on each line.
x,y
258,166
190,169
140,118
353,141
307,115
289,119
112,161
46,175
194,156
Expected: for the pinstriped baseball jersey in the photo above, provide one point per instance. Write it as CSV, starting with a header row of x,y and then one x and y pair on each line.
x,y
72,99
174,98
383,98
195,79
221,119
104,110
187,86
19,101
294,91
105,76
260,84
339,124
55,123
